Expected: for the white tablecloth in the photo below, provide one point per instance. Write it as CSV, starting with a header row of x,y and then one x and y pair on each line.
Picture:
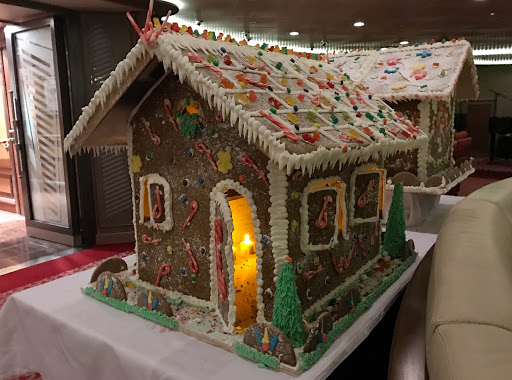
x,y
56,330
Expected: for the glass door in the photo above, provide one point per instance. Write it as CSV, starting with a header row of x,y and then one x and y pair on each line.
x,y
42,118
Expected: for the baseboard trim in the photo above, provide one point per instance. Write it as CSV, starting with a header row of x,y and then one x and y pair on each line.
x,y
56,237
115,237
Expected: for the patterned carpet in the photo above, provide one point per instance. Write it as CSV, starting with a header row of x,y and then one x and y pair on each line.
x,y
12,226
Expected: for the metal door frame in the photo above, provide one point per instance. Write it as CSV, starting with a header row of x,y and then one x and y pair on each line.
x,y
66,235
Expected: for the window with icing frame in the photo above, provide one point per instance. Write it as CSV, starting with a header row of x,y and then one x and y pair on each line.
x,y
155,202
323,214
367,194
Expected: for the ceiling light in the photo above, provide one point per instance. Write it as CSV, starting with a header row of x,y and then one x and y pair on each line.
x,y
294,33
492,13
404,43
178,3
484,62
358,23
498,51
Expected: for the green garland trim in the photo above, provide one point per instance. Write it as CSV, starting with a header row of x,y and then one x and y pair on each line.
x,y
154,316
250,353
307,360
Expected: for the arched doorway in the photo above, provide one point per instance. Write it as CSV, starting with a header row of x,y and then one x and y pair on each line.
x,y
235,248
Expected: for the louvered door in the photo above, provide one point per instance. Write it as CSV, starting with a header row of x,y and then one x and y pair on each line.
x,y
108,41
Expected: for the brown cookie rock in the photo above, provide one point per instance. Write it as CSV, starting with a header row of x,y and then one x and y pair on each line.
x,y
347,303
270,340
109,285
434,181
318,331
154,301
112,265
461,160
408,249
406,179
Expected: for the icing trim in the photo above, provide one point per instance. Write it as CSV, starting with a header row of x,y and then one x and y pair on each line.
x,y
278,215
151,315
364,170
217,197
154,178
305,246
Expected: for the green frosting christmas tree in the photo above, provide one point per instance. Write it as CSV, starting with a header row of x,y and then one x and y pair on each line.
x,y
287,313
394,239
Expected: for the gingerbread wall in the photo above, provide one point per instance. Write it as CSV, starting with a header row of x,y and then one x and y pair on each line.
x,y
313,287
191,178
441,117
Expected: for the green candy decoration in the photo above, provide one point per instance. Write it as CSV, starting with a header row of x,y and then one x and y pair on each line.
x,y
196,33
394,239
287,313
189,124
311,116
279,65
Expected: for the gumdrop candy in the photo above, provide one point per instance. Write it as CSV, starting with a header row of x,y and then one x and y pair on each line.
x,y
353,134
293,119
290,100
301,97
300,82
311,116
227,60
307,137
251,59
252,96
316,136
243,98
264,79
284,81
226,83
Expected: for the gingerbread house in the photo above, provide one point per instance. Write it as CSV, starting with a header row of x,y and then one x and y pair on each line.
x,y
422,83
244,162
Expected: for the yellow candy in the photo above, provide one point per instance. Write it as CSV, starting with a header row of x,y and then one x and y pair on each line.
x,y
243,98
183,29
224,162
290,101
295,194
329,76
131,285
418,67
156,22
294,224
293,119
284,81
353,133
317,260
242,84
325,101
316,125
251,59
399,85
169,249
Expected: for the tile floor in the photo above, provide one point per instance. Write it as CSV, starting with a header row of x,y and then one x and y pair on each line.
x,y
18,251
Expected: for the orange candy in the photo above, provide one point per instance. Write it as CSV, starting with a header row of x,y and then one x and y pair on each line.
x,y
300,83
301,97
241,179
264,79
252,96
241,78
316,135
368,131
226,84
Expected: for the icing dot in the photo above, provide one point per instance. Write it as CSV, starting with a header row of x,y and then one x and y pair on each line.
x,y
193,277
294,224
186,182
190,153
183,272
202,250
183,198
327,280
201,180
149,156
143,255
268,292
241,179
169,249
295,194
309,294
265,239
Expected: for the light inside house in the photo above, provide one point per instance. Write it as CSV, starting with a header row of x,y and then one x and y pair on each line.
x,y
404,42
358,24
244,257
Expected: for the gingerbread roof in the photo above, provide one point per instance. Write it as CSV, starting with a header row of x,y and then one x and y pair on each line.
x,y
302,113
437,70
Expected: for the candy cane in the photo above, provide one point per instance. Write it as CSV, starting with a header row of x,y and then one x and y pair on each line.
x,y
157,210
349,138
164,269
362,246
200,147
221,283
192,264
361,201
316,100
312,273
361,98
206,64
170,114
193,209
148,240
321,222
244,78
297,176
255,67
154,137
287,132
247,161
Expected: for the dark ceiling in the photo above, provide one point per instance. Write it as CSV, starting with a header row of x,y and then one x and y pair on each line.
x,y
387,22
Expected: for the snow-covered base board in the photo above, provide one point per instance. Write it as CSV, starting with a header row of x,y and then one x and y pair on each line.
x,y
203,322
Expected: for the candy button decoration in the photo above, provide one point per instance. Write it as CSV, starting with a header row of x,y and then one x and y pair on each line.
x,y
190,153
295,195
294,224
183,271
193,278
327,280
143,255
265,239
201,180
309,294
185,182
279,65
202,250
183,198
149,156
169,249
